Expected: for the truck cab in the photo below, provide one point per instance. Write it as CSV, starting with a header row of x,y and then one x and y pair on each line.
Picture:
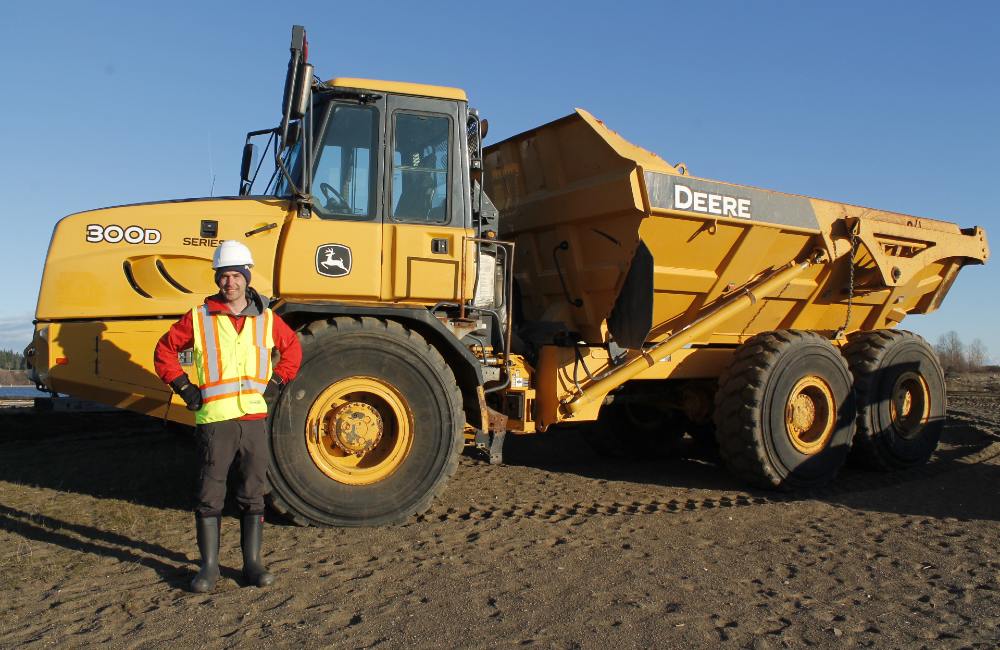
x,y
390,200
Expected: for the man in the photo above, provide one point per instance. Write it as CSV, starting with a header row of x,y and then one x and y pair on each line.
x,y
231,335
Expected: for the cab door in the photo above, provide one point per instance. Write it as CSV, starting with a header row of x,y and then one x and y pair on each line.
x,y
336,253
428,208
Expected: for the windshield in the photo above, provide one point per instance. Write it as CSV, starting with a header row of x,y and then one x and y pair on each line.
x,y
345,168
344,175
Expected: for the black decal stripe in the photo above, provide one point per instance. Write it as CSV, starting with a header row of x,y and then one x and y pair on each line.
x,y
127,267
169,278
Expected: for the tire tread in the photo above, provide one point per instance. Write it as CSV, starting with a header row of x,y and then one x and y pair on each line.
x,y
865,352
313,334
739,401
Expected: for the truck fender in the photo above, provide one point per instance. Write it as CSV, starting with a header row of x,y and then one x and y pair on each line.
x,y
464,364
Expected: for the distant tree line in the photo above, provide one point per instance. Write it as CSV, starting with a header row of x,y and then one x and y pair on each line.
x,y
959,357
10,360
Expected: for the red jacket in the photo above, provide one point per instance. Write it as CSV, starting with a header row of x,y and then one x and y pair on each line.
x,y
180,337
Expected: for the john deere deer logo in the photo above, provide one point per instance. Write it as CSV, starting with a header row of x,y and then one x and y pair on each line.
x,y
333,260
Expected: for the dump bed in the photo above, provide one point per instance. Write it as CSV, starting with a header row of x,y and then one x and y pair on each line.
x,y
615,243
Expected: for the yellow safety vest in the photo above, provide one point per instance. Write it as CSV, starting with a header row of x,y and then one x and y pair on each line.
x,y
233,368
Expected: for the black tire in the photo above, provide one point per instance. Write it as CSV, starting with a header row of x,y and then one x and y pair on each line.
x,y
366,348
755,401
888,366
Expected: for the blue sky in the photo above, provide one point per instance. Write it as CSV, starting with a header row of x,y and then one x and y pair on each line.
x,y
891,105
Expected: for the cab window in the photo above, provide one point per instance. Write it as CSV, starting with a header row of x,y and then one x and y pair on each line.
x,y
420,155
343,184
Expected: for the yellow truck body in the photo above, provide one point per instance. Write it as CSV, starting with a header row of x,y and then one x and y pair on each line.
x,y
590,282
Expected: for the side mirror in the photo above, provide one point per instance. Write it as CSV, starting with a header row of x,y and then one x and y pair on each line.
x,y
302,93
484,128
292,135
294,103
293,77
249,158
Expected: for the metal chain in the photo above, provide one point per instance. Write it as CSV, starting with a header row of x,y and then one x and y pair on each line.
x,y
850,283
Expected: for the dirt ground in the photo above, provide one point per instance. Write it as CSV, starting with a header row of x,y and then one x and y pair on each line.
x,y
556,548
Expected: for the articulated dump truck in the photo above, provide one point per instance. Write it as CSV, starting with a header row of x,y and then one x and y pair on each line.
x,y
446,296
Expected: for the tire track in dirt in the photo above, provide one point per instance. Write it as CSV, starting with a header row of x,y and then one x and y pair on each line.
x,y
579,511
555,513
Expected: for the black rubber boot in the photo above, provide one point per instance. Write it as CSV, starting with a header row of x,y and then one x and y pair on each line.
x,y
208,546
251,532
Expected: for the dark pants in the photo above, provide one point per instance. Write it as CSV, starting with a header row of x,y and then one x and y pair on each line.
x,y
219,444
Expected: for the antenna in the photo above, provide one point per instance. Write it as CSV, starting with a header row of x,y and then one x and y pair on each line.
x,y
211,165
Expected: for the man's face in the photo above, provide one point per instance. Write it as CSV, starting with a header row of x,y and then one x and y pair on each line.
x,y
233,286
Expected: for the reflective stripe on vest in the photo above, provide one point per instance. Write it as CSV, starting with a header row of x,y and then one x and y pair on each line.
x,y
233,367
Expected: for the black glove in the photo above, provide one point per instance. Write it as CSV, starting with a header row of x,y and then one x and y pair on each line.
x,y
190,393
273,389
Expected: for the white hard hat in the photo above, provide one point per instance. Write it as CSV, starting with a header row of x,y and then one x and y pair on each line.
x,y
231,253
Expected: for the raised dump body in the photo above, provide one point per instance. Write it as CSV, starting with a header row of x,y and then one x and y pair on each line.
x,y
585,207
629,268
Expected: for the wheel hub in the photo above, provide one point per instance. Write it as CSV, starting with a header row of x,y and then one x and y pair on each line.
x,y
359,430
909,405
357,427
803,412
810,415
